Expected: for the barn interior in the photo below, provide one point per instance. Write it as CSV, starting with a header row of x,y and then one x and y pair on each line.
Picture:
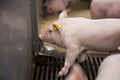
x,y
23,56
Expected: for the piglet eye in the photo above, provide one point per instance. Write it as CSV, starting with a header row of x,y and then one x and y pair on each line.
x,y
50,31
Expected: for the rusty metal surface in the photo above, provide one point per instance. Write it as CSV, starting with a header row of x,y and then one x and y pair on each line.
x,y
15,40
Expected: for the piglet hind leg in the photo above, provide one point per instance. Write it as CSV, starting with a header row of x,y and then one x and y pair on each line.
x,y
71,55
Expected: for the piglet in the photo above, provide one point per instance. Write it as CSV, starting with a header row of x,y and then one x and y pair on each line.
x,y
77,35
105,9
56,6
109,68
76,73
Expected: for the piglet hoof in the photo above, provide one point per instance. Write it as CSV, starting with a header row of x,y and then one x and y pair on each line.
x,y
63,72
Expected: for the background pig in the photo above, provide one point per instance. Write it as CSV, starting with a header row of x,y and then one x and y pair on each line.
x,y
76,73
105,9
110,68
57,6
80,34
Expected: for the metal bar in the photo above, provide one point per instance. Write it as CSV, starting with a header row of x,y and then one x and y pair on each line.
x,y
34,20
16,56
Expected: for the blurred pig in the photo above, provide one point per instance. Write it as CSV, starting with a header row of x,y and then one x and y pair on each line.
x,y
56,6
76,73
105,9
109,68
79,34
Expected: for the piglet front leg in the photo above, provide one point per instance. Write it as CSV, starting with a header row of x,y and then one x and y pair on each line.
x,y
71,55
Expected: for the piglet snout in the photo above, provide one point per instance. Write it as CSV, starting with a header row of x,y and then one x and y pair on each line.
x,y
41,37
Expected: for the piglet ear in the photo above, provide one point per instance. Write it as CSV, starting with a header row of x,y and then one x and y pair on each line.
x,y
57,26
63,14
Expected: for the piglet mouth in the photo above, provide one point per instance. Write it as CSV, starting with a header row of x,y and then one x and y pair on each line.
x,y
41,45
41,42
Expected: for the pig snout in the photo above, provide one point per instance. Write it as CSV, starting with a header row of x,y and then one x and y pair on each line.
x,y
41,37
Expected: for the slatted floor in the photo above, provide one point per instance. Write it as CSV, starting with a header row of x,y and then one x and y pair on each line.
x,y
47,67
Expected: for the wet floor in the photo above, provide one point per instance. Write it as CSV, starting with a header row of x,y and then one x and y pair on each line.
x,y
81,9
